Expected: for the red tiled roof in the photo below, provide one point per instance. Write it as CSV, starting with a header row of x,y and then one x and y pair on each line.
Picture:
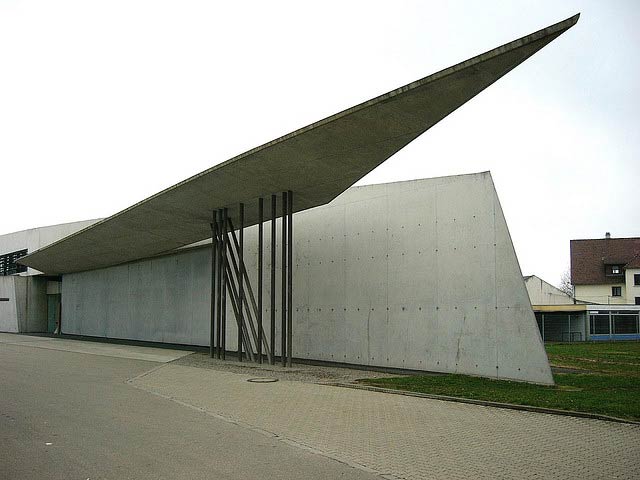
x,y
589,257
634,262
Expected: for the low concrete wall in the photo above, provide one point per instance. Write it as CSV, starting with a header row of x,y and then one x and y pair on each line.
x,y
26,309
419,274
8,307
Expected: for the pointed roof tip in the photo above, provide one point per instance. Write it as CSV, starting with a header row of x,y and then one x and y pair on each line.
x,y
565,24
569,22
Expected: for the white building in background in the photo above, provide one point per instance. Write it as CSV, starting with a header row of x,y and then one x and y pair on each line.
x,y
543,293
606,270
606,277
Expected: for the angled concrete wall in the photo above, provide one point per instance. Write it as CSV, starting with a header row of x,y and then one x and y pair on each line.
x,y
419,274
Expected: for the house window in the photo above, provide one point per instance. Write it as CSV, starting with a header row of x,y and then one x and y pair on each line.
x,y
637,300
616,291
636,279
613,270
599,324
625,323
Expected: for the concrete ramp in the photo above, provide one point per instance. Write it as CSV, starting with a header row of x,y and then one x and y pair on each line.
x,y
133,352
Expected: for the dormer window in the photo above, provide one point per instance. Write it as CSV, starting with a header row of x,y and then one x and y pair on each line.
x,y
613,270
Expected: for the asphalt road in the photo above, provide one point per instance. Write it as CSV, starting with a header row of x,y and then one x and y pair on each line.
x,y
68,415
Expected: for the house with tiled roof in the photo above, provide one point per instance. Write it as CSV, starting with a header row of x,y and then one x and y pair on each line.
x,y
606,270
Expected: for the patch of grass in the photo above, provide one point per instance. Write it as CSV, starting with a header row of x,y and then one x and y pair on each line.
x,y
612,389
614,358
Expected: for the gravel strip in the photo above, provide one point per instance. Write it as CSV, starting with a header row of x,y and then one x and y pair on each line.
x,y
298,372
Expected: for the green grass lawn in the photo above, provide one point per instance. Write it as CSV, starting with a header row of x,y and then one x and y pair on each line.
x,y
610,384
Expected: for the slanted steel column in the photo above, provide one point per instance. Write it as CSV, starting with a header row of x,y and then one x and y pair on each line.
x,y
214,240
233,296
274,201
260,248
289,276
283,338
219,282
225,284
240,280
251,313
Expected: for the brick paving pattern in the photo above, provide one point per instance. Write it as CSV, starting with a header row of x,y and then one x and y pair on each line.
x,y
406,437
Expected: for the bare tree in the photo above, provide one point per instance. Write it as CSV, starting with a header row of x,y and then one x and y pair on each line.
x,y
565,283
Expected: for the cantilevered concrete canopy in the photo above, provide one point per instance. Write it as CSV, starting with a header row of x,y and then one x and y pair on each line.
x,y
316,163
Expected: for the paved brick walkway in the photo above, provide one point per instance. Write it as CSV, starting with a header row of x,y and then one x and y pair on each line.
x,y
407,437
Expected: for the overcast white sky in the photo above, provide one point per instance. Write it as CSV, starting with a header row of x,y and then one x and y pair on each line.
x,y
103,104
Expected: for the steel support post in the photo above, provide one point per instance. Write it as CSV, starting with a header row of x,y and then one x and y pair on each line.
x,y
272,332
225,284
212,331
283,337
219,282
260,248
289,276
240,279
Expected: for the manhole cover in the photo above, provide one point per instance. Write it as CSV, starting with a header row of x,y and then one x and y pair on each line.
x,y
262,380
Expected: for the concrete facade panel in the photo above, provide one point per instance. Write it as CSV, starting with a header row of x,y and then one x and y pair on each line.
x,y
25,310
515,318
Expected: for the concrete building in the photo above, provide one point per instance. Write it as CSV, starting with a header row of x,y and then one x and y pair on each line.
x,y
30,301
417,275
377,281
377,276
606,270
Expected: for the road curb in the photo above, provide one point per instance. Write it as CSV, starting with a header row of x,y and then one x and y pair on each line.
x,y
485,403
